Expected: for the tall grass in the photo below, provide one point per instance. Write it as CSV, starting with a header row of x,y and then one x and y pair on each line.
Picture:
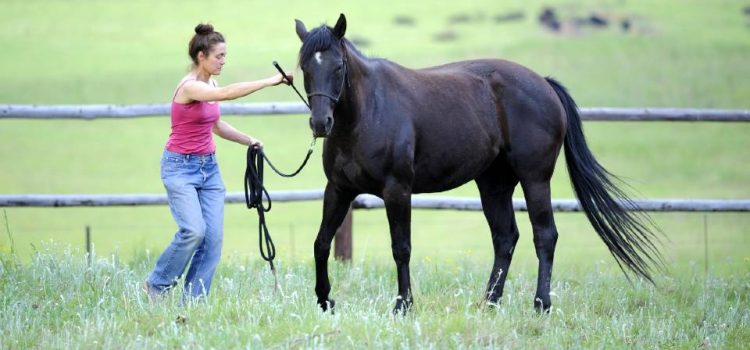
x,y
56,302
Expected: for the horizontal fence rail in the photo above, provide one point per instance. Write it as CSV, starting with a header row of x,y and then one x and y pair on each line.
x,y
144,110
112,200
568,205
89,112
367,202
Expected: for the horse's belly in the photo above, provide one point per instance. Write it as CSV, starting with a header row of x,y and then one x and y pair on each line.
x,y
433,188
452,154
444,176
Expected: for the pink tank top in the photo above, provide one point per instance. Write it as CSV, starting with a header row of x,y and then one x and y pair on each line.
x,y
192,125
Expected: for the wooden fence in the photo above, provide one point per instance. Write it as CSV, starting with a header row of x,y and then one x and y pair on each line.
x,y
343,236
89,112
367,202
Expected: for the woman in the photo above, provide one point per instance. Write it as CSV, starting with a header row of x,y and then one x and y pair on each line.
x,y
189,169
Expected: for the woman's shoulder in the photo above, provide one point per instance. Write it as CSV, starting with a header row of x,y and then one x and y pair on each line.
x,y
185,80
189,79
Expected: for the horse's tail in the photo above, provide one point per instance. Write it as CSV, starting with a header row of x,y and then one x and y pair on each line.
x,y
627,234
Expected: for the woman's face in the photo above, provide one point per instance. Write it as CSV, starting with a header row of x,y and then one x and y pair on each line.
x,y
214,61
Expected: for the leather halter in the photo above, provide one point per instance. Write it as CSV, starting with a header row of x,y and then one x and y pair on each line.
x,y
345,79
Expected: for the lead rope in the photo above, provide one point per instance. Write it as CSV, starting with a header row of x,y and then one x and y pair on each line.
x,y
254,192
254,199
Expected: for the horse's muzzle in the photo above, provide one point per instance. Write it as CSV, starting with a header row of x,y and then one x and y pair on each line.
x,y
321,126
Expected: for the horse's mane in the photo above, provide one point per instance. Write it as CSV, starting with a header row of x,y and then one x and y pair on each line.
x,y
321,39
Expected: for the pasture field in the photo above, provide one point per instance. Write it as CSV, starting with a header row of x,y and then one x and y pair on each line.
x,y
61,302
690,54
131,53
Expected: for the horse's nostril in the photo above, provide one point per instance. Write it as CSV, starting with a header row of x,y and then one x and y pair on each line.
x,y
329,122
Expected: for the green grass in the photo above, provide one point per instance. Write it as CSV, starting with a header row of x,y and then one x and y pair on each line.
x,y
61,302
680,54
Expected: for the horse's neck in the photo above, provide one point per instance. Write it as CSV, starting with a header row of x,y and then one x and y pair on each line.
x,y
358,87
364,84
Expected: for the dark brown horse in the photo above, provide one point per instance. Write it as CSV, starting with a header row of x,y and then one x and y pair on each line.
x,y
393,131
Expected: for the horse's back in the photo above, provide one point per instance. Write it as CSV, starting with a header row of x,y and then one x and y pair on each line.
x,y
487,107
447,124
516,88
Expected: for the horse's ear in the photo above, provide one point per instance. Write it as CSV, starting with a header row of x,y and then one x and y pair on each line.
x,y
340,29
301,30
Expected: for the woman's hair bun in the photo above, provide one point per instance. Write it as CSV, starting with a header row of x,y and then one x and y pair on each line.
x,y
204,29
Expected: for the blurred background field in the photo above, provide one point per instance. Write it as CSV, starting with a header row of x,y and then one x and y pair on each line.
x,y
691,54
610,53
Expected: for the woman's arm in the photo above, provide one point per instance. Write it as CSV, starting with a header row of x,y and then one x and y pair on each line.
x,y
196,90
228,132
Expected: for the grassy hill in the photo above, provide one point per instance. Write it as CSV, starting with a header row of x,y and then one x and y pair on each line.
x,y
675,54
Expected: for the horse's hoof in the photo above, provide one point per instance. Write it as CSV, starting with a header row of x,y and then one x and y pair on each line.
x,y
491,304
541,306
402,307
327,305
492,301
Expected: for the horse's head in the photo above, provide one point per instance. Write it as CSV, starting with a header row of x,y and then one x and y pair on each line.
x,y
322,59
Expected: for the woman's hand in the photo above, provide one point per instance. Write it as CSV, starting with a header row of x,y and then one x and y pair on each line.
x,y
255,143
278,79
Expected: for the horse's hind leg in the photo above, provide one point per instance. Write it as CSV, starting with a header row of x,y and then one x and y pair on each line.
x,y
397,198
496,187
539,204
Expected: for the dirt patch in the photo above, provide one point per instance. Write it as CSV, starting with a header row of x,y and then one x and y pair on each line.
x,y
445,36
549,19
405,21
360,41
509,17
577,21
593,20
460,18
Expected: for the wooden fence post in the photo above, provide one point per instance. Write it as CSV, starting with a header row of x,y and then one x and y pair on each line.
x,y
88,244
343,243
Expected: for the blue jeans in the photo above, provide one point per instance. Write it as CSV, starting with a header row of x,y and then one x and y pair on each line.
x,y
195,193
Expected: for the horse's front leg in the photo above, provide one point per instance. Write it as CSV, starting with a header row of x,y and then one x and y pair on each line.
x,y
335,206
397,198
